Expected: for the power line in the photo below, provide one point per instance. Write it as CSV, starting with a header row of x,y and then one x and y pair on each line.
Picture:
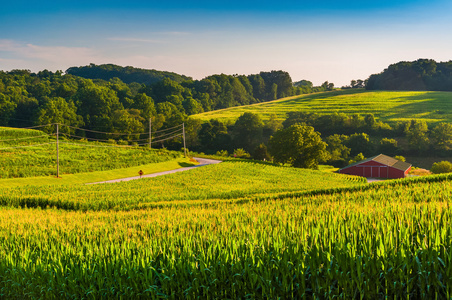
x,y
167,138
113,133
103,146
166,129
99,140
29,137
26,146
157,137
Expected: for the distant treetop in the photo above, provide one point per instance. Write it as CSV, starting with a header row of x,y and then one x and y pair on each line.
x,y
419,75
126,74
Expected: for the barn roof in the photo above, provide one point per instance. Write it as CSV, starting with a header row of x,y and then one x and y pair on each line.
x,y
386,160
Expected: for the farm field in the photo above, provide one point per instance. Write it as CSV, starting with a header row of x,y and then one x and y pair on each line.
x,y
388,106
362,241
232,180
224,231
29,153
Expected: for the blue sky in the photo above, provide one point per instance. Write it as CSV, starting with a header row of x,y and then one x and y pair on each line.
x,y
315,40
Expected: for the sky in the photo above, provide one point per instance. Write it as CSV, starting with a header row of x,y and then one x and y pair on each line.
x,y
335,41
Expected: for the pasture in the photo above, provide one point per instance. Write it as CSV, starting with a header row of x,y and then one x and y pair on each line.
x,y
387,106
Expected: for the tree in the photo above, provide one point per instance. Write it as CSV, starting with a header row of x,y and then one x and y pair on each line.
x,y
261,153
248,131
358,157
57,110
388,146
213,136
417,136
145,104
442,137
7,108
128,121
441,167
271,126
299,146
359,142
339,153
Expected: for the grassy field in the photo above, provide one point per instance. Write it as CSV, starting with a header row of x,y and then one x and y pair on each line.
x,y
357,241
97,176
18,159
387,106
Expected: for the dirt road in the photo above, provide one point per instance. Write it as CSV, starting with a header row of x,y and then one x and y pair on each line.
x,y
202,162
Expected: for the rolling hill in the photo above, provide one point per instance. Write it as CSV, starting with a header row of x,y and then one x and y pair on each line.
x,y
388,106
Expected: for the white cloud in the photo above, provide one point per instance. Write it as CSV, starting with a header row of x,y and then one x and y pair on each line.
x,y
47,57
122,39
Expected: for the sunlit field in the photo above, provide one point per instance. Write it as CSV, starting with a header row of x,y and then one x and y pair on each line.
x,y
388,106
365,241
28,153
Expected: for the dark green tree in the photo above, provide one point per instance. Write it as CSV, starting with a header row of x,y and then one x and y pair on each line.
x,y
247,132
213,136
442,137
417,136
388,146
7,109
57,110
299,146
261,153
338,152
360,143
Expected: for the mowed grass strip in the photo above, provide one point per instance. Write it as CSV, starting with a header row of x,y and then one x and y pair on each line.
x,y
228,180
388,106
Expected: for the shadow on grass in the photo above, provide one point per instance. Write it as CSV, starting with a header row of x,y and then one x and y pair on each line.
x,y
186,165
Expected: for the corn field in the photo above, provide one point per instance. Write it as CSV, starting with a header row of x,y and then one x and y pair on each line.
x,y
230,181
359,242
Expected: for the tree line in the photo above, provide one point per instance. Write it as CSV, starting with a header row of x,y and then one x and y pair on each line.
x,y
336,139
419,75
28,99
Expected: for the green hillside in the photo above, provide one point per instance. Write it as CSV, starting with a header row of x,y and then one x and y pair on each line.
x,y
388,106
29,152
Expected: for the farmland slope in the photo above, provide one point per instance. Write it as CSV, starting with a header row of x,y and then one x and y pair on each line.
x,y
388,106
29,153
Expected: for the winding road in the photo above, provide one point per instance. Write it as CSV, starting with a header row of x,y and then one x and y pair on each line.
x,y
202,162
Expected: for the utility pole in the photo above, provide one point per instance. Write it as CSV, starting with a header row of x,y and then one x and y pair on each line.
x,y
183,133
150,137
58,150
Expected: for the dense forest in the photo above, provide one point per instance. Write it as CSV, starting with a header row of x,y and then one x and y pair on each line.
x,y
126,74
419,75
28,99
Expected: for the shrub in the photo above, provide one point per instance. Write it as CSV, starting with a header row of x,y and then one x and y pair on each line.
x,y
241,153
223,153
400,157
442,167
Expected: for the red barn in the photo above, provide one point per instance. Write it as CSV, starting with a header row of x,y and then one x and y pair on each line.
x,y
380,166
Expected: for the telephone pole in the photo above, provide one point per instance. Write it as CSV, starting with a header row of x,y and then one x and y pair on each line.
x,y
58,150
150,137
183,133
